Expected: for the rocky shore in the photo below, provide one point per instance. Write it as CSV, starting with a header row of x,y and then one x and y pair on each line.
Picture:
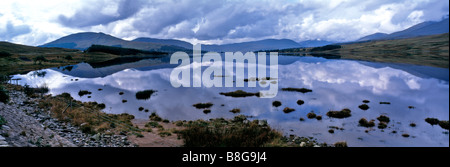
x,y
29,126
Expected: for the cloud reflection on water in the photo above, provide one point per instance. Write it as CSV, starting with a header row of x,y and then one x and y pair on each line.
x,y
336,84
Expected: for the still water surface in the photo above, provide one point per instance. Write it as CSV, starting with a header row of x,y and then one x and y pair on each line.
x,y
336,84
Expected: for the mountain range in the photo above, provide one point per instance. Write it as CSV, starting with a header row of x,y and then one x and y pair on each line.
x,y
421,29
82,41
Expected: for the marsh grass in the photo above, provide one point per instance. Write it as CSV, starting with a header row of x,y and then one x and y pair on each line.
x,y
81,93
145,95
239,93
383,118
344,113
276,103
364,107
319,117
311,115
88,116
288,110
368,124
203,105
385,103
235,110
432,121
444,124
300,102
382,125
207,111
155,117
366,101
301,90
4,95
2,121
340,144
228,133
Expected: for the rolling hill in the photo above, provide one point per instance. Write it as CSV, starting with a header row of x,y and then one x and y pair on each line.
x,y
82,41
268,44
431,50
173,42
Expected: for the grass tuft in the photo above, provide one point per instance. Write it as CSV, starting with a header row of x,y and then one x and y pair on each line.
x,y
344,113
301,90
288,110
144,95
203,105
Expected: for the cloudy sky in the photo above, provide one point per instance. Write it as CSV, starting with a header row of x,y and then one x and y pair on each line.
x,y
213,21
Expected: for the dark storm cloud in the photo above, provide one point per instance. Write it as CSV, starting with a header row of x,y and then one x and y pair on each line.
x,y
91,16
160,16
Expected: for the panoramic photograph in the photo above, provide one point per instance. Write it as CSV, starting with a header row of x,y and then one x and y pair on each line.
x,y
224,73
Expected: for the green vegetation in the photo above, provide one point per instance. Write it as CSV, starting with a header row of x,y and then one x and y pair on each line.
x,y
32,92
239,93
120,51
432,121
383,102
229,133
326,48
203,105
68,57
81,93
364,107
366,101
300,102
4,96
155,117
276,103
88,116
382,125
2,121
301,90
4,54
340,144
144,95
207,111
311,115
344,113
288,110
444,124
364,123
235,110
383,118
153,124
319,117
426,50
39,59
22,59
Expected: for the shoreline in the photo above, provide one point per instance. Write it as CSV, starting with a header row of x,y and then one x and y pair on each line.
x,y
30,125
